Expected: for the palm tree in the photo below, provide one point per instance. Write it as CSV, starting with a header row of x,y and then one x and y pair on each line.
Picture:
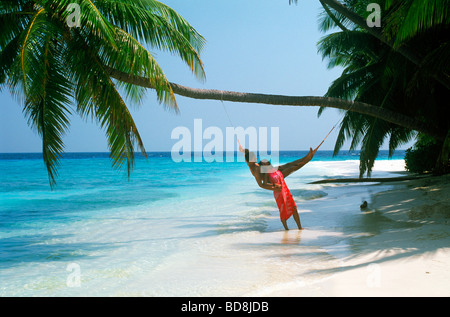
x,y
377,73
403,19
51,66
346,16
372,73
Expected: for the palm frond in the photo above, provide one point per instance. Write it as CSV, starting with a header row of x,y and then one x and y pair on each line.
x,y
329,19
92,21
8,55
8,6
97,96
47,97
32,31
12,24
47,64
134,59
353,126
398,137
341,47
159,26
372,141
351,83
416,16
16,56
437,59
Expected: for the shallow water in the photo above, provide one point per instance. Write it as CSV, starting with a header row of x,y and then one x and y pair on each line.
x,y
173,229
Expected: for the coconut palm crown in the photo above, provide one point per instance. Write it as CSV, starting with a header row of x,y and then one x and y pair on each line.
x,y
55,56
375,72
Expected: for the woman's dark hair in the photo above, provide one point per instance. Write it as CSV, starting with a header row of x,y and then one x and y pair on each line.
x,y
264,162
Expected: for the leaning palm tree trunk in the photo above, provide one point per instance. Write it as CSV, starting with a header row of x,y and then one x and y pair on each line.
x,y
282,100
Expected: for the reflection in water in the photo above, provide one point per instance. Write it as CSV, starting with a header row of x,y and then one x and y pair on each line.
x,y
291,236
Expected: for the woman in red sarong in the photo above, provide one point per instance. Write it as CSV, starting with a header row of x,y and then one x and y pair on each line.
x,y
285,202
272,178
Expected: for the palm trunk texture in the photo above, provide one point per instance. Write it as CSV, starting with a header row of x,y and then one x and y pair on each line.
x,y
282,100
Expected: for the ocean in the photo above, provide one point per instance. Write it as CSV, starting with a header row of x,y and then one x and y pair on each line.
x,y
172,228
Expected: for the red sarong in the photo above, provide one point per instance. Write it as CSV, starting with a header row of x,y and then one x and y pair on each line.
x,y
285,202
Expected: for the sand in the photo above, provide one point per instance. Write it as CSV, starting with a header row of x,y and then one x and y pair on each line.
x,y
410,258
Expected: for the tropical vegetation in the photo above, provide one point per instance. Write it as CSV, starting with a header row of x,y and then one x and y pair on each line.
x,y
422,157
375,72
56,65
394,83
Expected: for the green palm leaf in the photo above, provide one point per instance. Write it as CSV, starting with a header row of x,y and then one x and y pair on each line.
x,y
92,22
134,59
47,65
376,74
159,26
98,97
329,19
416,16
371,143
48,92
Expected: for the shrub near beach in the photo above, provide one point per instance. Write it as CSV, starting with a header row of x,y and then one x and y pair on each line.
x,y
423,156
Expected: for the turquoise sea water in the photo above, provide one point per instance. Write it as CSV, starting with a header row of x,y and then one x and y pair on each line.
x,y
171,229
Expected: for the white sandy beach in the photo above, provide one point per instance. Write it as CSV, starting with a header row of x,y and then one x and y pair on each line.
x,y
403,248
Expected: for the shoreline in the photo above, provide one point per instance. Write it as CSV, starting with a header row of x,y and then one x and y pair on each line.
x,y
405,252
371,180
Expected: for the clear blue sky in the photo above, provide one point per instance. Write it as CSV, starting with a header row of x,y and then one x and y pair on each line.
x,y
263,46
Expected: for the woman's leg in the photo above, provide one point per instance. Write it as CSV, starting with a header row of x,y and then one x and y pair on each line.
x,y
297,219
284,224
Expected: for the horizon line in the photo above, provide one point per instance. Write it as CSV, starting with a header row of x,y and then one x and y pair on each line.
x,y
235,151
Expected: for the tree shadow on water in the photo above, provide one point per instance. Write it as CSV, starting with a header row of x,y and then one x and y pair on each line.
x,y
44,248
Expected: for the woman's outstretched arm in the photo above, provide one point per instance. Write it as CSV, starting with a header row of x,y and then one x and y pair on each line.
x,y
291,167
